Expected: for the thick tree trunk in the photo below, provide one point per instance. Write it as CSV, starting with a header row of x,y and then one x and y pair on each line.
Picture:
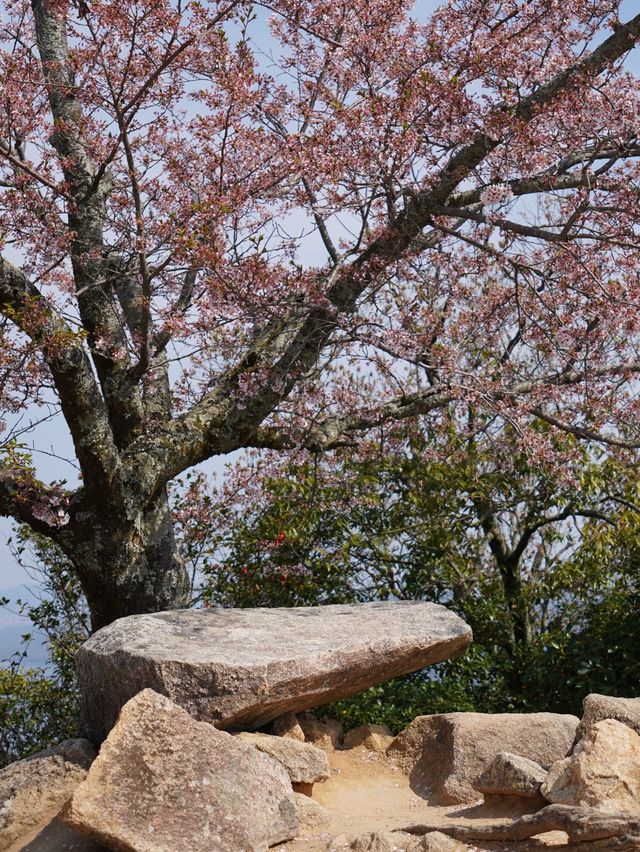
x,y
130,568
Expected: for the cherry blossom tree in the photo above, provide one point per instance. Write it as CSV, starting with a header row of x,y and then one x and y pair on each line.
x,y
216,238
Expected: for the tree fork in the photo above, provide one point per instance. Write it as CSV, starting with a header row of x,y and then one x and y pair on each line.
x,y
131,568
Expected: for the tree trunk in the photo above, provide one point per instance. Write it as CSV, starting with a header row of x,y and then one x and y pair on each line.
x,y
129,568
518,610
519,618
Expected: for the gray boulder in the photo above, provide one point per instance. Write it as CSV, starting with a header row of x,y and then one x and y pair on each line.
x,y
602,772
313,817
163,781
305,764
242,668
445,754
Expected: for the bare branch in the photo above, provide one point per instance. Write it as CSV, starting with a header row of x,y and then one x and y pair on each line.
x,y
568,512
584,431
80,398
21,498
23,166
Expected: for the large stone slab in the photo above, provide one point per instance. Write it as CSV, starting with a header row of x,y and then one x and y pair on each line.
x,y
165,782
241,668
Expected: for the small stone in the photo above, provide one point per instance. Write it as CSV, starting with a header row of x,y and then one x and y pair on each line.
x,y
372,737
436,841
511,775
402,840
375,842
603,771
326,734
339,843
33,788
304,762
164,781
384,841
287,726
313,817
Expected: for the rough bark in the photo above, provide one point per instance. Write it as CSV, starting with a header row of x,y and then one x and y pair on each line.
x,y
130,567
581,824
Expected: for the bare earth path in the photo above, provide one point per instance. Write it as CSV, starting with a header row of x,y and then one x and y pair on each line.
x,y
366,793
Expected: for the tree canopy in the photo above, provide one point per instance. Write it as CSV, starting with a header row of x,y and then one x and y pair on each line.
x,y
217,236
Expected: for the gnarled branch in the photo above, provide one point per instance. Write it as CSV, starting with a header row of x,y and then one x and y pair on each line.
x,y
288,348
80,398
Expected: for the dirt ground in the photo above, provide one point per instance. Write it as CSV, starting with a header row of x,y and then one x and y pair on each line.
x,y
364,794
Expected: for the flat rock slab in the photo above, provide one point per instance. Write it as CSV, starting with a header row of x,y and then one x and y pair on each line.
x,y
242,668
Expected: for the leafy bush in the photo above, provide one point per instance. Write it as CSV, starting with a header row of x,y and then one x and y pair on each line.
x,y
400,527
393,528
39,707
36,710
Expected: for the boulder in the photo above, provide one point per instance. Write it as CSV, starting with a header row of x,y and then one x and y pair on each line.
x,y
603,772
511,775
242,668
163,781
33,789
304,762
313,817
445,754
287,726
596,707
326,734
372,737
